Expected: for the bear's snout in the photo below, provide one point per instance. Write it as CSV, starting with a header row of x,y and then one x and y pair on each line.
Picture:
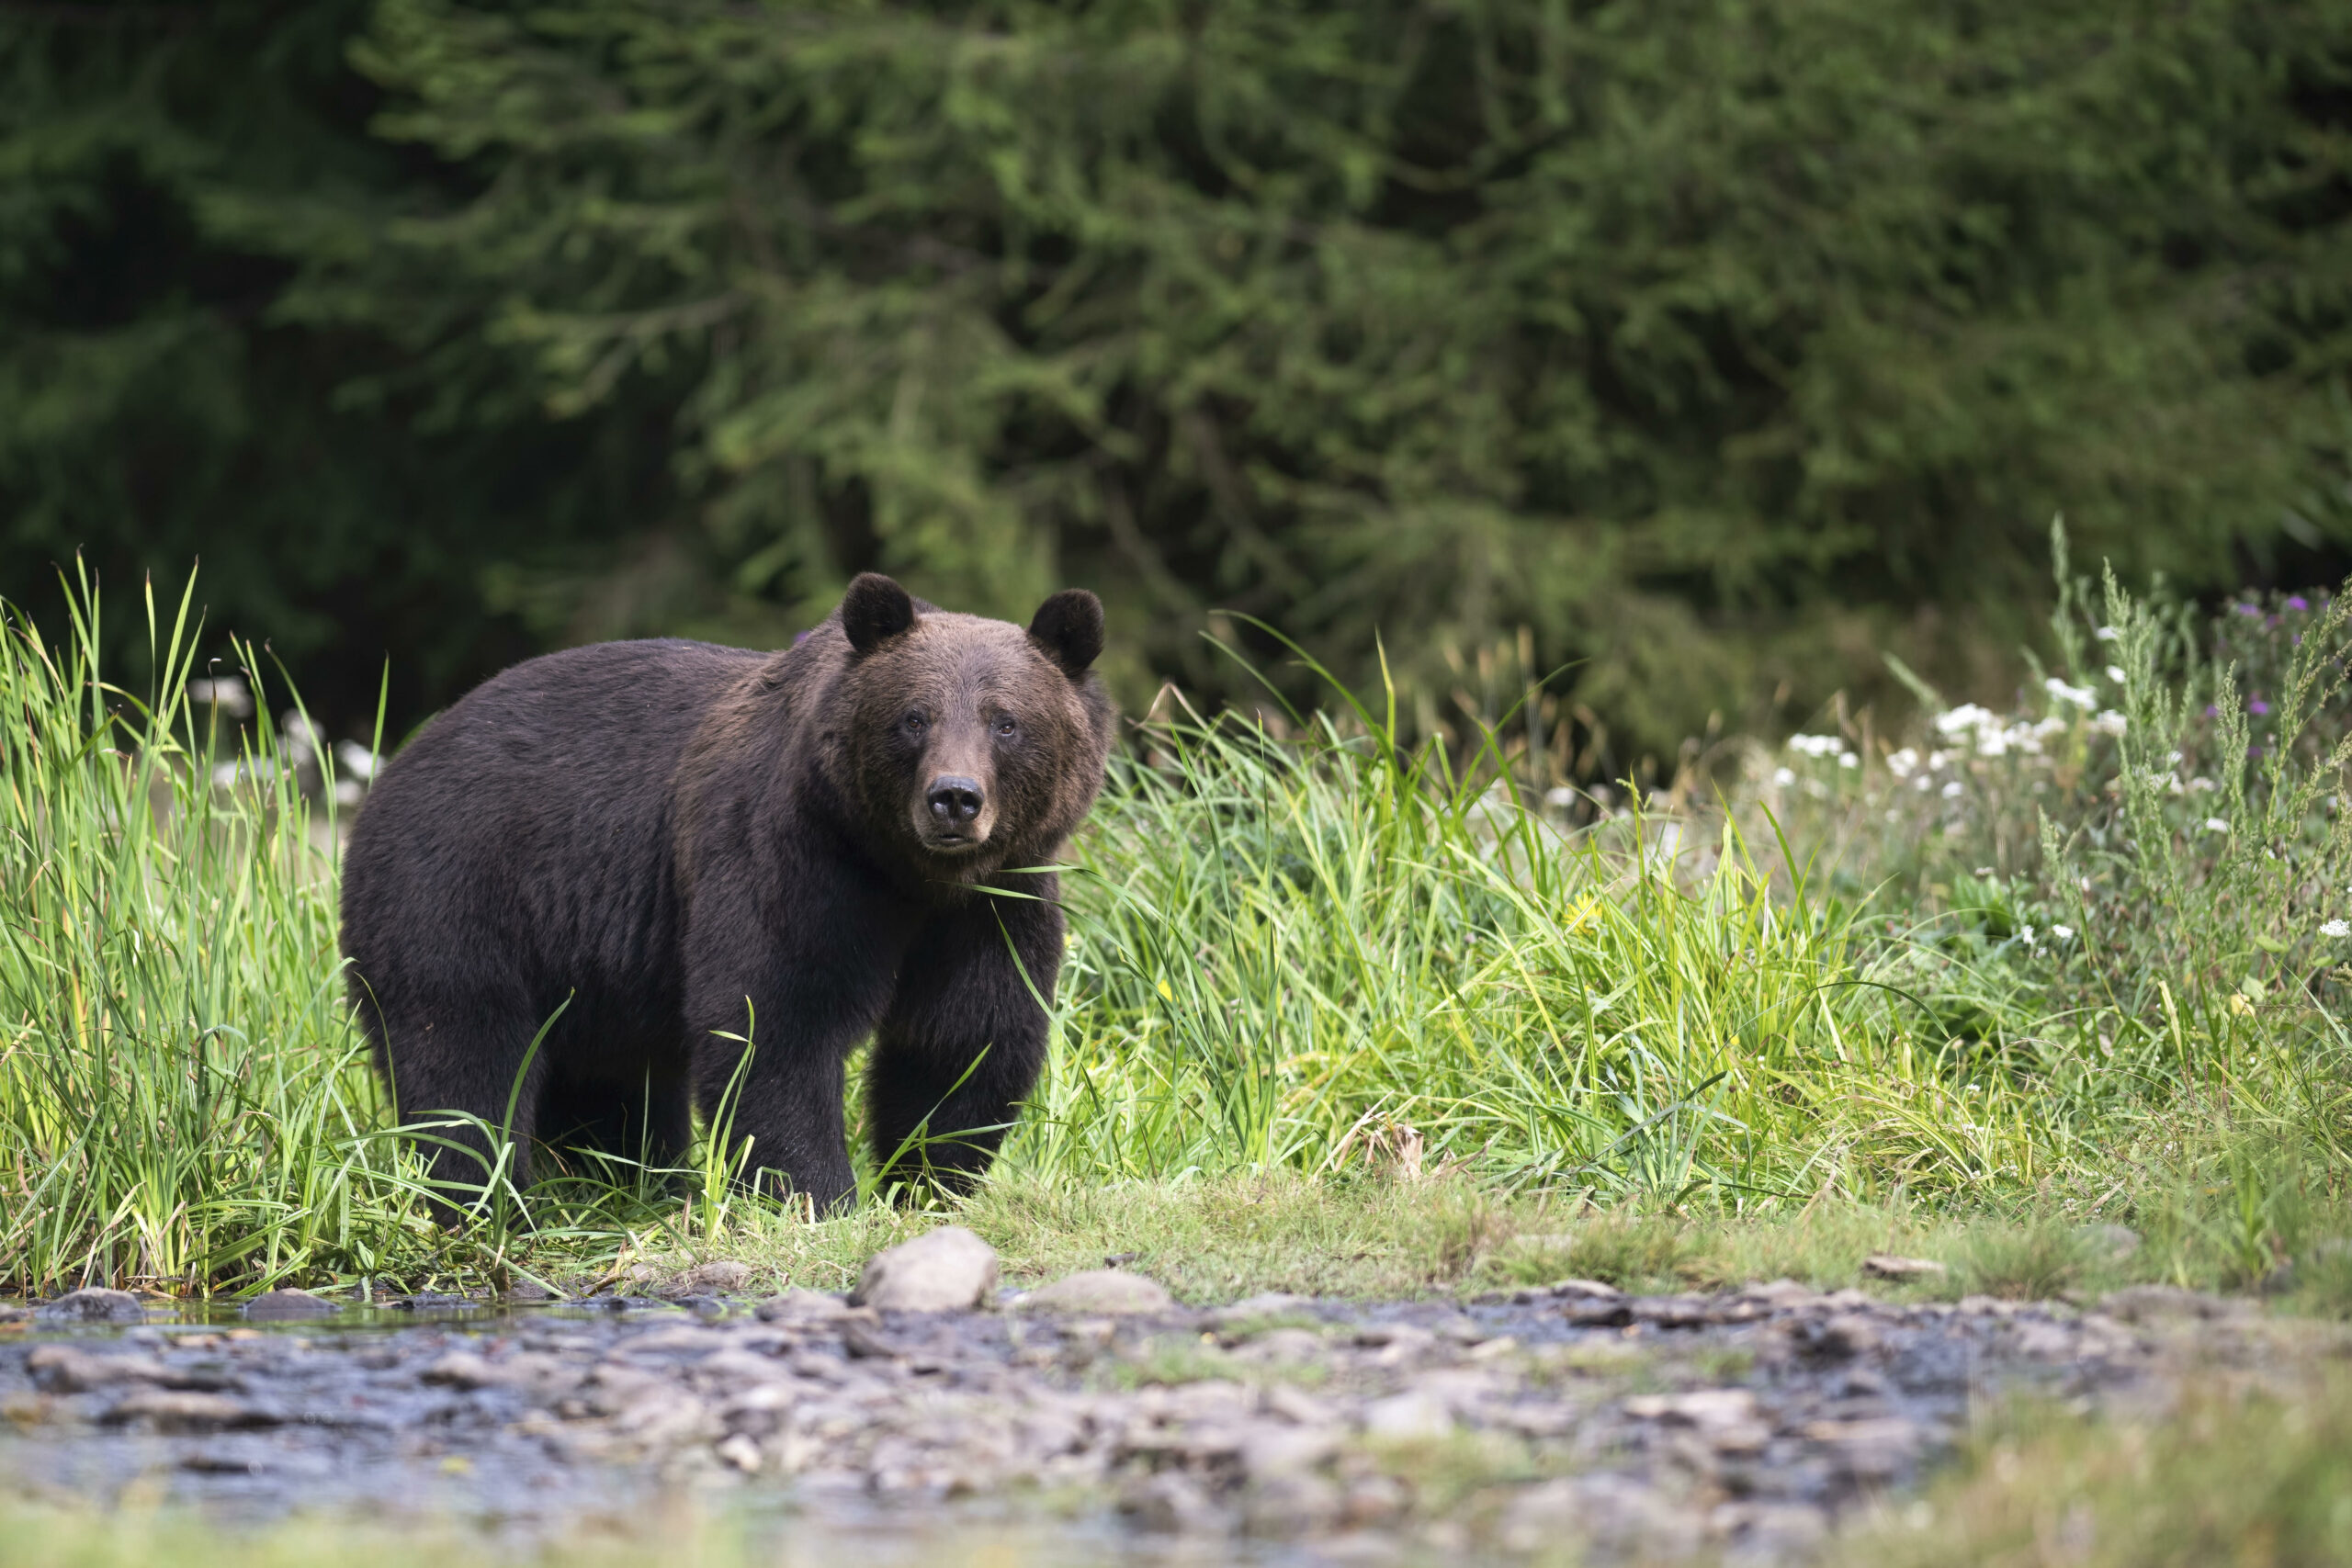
x,y
956,813
955,800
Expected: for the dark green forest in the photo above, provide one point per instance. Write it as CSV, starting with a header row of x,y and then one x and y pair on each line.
x,y
1698,351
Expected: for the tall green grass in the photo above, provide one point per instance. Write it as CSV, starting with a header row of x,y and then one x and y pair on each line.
x,y
1334,956
1326,956
182,1097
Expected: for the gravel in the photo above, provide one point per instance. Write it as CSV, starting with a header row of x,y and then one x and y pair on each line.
x,y
1746,1423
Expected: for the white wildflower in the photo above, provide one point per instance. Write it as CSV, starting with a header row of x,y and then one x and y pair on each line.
x,y
1847,759
2064,933
2201,784
2106,633
1967,716
1900,763
2108,722
1783,778
2217,824
356,760
1923,782
2081,696
1816,745
2115,673
2335,928
2027,935
1951,791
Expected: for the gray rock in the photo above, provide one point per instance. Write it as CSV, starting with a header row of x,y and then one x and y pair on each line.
x,y
1291,1504
948,1270
94,1305
1112,1291
174,1410
1711,1410
1783,1294
63,1369
805,1306
289,1306
1270,1448
1585,1290
1172,1504
1374,1502
1770,1533
1846,1334
2111,1243
1616,1513
1283,1347
1414,1415
723,1275
461,1370
1887,1266
1265,1304
1873,1449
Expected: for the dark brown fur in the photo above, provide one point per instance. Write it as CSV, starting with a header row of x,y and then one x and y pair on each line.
x,y
684,846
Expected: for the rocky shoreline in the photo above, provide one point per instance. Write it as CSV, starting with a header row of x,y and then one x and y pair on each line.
x,y
1746,1423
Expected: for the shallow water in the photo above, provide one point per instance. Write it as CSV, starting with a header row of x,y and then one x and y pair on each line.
x,y
879,1435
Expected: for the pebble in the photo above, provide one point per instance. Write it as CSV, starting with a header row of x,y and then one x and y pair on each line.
x,y
2111,1242
947,1270
1414,1415
725,1275
288,1305
176,1410
1100,1290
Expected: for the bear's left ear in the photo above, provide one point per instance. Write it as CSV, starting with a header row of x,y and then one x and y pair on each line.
x,y
1069,627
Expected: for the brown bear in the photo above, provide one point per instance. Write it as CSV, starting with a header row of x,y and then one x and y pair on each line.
x,y
671,848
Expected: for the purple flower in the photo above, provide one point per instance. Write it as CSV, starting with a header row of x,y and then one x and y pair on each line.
x,y
2299,602
2249,609
2211,710
2257,705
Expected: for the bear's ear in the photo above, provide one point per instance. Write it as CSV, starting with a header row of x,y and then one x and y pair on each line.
x,y
874,611
1070,626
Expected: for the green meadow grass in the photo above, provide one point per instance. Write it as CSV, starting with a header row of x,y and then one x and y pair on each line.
x,y
1320,977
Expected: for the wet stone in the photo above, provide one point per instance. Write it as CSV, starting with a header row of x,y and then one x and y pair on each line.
x,y
177,1410
288,1306
94,1306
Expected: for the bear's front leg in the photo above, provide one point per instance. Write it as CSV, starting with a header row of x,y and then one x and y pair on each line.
x,y
965,1037
804,992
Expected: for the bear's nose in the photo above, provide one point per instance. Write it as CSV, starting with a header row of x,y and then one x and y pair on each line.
x,y
954,800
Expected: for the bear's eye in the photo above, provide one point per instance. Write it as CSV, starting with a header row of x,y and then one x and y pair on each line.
x,y
1007,728
915,722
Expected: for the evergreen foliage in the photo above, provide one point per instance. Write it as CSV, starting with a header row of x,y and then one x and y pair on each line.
x,y
1717,344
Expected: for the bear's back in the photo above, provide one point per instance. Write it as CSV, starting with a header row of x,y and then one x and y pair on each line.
x,y
524,834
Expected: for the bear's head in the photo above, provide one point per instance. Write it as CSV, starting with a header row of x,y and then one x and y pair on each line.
x,y
977,743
